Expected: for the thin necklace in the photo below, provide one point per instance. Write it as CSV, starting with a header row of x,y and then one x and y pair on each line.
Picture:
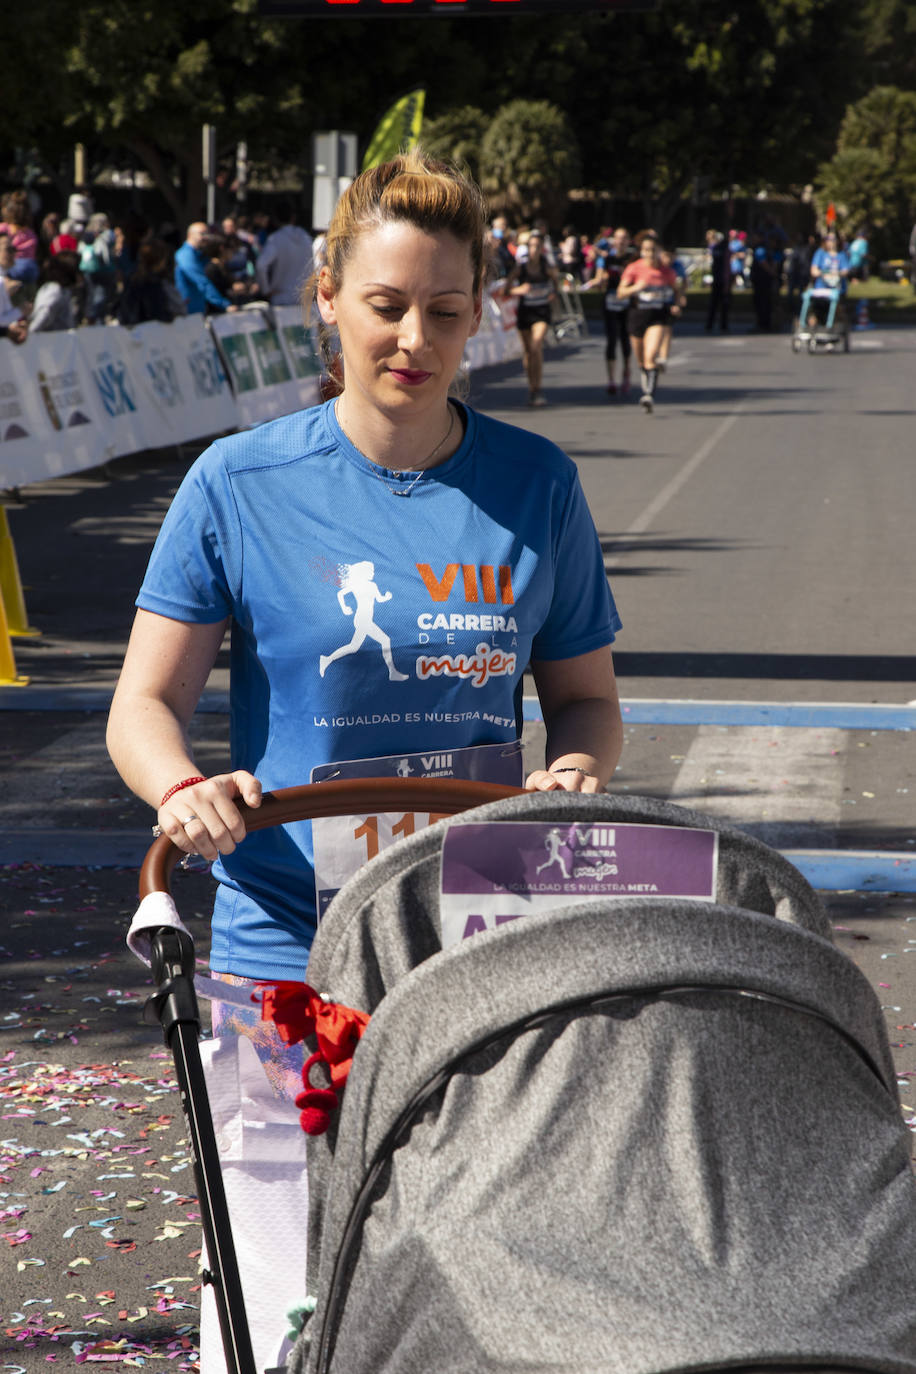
x,y
409,486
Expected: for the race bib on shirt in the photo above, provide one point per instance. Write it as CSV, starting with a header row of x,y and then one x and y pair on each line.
x,y
342,844
615,303
655,297
502,871
539,293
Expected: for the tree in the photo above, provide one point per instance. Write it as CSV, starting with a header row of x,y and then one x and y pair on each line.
x,y
458,135
871,177
35,82
736,94
732,93
889,46
145,78
530,158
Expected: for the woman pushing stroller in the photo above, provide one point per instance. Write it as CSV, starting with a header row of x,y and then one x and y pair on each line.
x,y
466,544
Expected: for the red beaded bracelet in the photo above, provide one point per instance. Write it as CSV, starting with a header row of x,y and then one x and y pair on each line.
x,y
179,787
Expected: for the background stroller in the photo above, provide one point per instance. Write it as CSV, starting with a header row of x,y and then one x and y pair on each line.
x,y
634,1135
832,331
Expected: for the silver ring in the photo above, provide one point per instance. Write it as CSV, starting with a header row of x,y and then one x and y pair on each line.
x,y
188,819
157,831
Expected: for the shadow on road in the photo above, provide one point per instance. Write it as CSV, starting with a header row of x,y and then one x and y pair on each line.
x,y
784,667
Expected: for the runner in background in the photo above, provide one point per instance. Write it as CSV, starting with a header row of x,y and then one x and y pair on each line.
x,y
534,282
652,288
618,254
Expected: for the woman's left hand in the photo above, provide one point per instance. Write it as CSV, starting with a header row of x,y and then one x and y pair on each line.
x,y
563,779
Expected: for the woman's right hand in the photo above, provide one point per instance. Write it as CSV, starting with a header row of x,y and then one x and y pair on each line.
x,y
203,819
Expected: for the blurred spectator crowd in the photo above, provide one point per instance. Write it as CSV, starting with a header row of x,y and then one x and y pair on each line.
x,y
83,269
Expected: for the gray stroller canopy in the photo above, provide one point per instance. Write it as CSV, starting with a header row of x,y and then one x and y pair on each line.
x,y
627,1137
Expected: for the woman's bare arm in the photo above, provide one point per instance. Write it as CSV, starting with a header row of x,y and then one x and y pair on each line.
x,y
581,710
165,670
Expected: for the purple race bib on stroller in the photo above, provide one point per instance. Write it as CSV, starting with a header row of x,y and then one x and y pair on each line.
x,y
501,871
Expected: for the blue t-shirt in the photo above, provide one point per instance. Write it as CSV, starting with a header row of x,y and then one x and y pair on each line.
x,y
194,284
830,265
365,623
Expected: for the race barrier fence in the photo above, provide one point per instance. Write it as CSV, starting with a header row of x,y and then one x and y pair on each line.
x,y
73,399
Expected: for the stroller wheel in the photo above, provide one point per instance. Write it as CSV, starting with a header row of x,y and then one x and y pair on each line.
x,y
796,345
812,345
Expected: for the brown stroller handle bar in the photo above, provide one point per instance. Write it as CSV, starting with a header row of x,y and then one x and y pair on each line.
x,y
316,800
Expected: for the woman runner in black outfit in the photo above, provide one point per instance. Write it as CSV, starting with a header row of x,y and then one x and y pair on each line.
x,y
619,255
534,281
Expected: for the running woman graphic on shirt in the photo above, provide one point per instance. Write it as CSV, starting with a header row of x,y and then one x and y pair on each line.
x,y
357,579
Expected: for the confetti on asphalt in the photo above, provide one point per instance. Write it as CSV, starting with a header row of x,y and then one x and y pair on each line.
x,y
97,1196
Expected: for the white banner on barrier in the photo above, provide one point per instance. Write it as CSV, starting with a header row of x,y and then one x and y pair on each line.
x,y
497,339
262,379
49,419
106,354
300,345
184,390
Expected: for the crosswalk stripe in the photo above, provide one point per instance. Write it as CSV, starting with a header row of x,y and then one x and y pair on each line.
x,y
842,715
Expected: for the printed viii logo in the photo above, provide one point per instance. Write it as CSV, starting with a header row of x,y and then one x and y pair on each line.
x,y
494,585
478,667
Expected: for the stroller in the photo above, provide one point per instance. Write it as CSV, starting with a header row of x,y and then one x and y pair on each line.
x,y
628,1135
829,334
567,314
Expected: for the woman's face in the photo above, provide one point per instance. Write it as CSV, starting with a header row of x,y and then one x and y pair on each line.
x,y
535,244
404,311
648,249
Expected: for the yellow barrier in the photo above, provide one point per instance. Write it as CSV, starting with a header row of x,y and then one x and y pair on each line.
x,y
8,675
17,621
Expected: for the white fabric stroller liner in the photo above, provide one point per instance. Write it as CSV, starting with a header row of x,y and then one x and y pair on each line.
x,y
631,1136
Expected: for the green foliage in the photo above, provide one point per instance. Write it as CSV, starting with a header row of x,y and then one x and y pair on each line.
x,y
33,80
750,92
889,46
457,135
530,156
871,177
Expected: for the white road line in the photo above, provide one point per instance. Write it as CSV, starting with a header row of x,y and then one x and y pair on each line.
x,y
775,781
671,489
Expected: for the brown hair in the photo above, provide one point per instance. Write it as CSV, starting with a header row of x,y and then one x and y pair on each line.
x,y
412,188
14,208
415,189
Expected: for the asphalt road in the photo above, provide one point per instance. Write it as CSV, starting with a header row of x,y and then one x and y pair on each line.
x,y
758,532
